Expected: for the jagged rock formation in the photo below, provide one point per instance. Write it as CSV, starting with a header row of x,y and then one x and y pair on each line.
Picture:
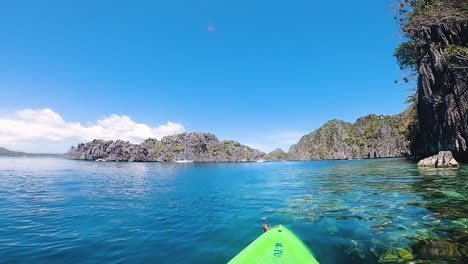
x,y
442,160
438,51
109,151
371,136
277,154
201,147
443,93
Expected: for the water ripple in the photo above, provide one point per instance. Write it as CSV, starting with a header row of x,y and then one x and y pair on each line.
x,y
55,211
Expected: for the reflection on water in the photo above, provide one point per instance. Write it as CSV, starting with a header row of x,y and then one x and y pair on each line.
x,y
364,211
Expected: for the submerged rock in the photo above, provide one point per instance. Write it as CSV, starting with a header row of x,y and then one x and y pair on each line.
x,y
440,250
357,248
444,159
396,255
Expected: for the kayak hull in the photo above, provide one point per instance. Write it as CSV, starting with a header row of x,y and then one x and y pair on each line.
x,y
278,245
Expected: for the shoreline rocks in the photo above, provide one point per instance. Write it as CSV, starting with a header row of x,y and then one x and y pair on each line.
x,y
444,159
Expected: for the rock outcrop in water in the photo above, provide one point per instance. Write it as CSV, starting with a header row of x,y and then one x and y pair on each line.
x,y
442,160
372,136
201,147
437,51
110,151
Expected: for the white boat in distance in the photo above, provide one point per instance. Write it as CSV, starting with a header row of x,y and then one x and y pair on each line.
x,y
185,160
260,160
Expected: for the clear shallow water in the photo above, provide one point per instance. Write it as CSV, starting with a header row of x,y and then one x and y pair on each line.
x,y
56,211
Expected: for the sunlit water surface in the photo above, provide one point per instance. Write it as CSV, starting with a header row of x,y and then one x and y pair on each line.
x,y
64,211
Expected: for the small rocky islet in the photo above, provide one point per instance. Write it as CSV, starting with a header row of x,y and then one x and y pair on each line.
x,y
198,147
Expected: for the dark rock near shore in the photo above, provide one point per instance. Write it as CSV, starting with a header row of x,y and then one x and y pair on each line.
x,y
444,159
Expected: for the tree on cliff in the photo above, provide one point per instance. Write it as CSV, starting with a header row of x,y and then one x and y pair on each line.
x,y
416,16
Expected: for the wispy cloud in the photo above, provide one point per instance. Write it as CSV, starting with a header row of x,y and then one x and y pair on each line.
x,y
45,130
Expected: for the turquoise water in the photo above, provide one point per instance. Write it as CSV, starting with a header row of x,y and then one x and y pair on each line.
x,y
56,211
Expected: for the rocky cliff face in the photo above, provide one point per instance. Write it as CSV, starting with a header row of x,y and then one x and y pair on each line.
x,y
277,154
443,92
371,136
438,51
201,147
110,151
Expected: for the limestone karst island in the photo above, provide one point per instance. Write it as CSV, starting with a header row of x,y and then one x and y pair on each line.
x,y
234,131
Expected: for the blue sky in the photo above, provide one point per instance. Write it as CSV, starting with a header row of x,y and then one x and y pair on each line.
x,y
259,72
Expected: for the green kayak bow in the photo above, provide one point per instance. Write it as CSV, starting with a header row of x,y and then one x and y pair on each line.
x,y
277,245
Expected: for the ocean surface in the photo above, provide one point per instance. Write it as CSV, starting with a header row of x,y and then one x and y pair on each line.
x,y
65,211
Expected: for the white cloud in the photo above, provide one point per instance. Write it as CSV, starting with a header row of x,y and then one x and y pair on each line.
x,y
43,130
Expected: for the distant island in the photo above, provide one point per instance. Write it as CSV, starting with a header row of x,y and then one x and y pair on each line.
x,y
372,136
9,153
201,147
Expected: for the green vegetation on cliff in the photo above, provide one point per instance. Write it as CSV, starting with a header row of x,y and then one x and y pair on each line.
x,y
199,147
436,54
372,136
277,154
416,16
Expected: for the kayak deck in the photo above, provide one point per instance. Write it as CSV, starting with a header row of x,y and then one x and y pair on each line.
x,y
278,245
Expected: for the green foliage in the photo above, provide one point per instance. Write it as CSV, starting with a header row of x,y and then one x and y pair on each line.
x,y
414,15
352,138
457,52
372,127
216,149
456,49
408,55
157,148
322,154
393,121
465,8
179,148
